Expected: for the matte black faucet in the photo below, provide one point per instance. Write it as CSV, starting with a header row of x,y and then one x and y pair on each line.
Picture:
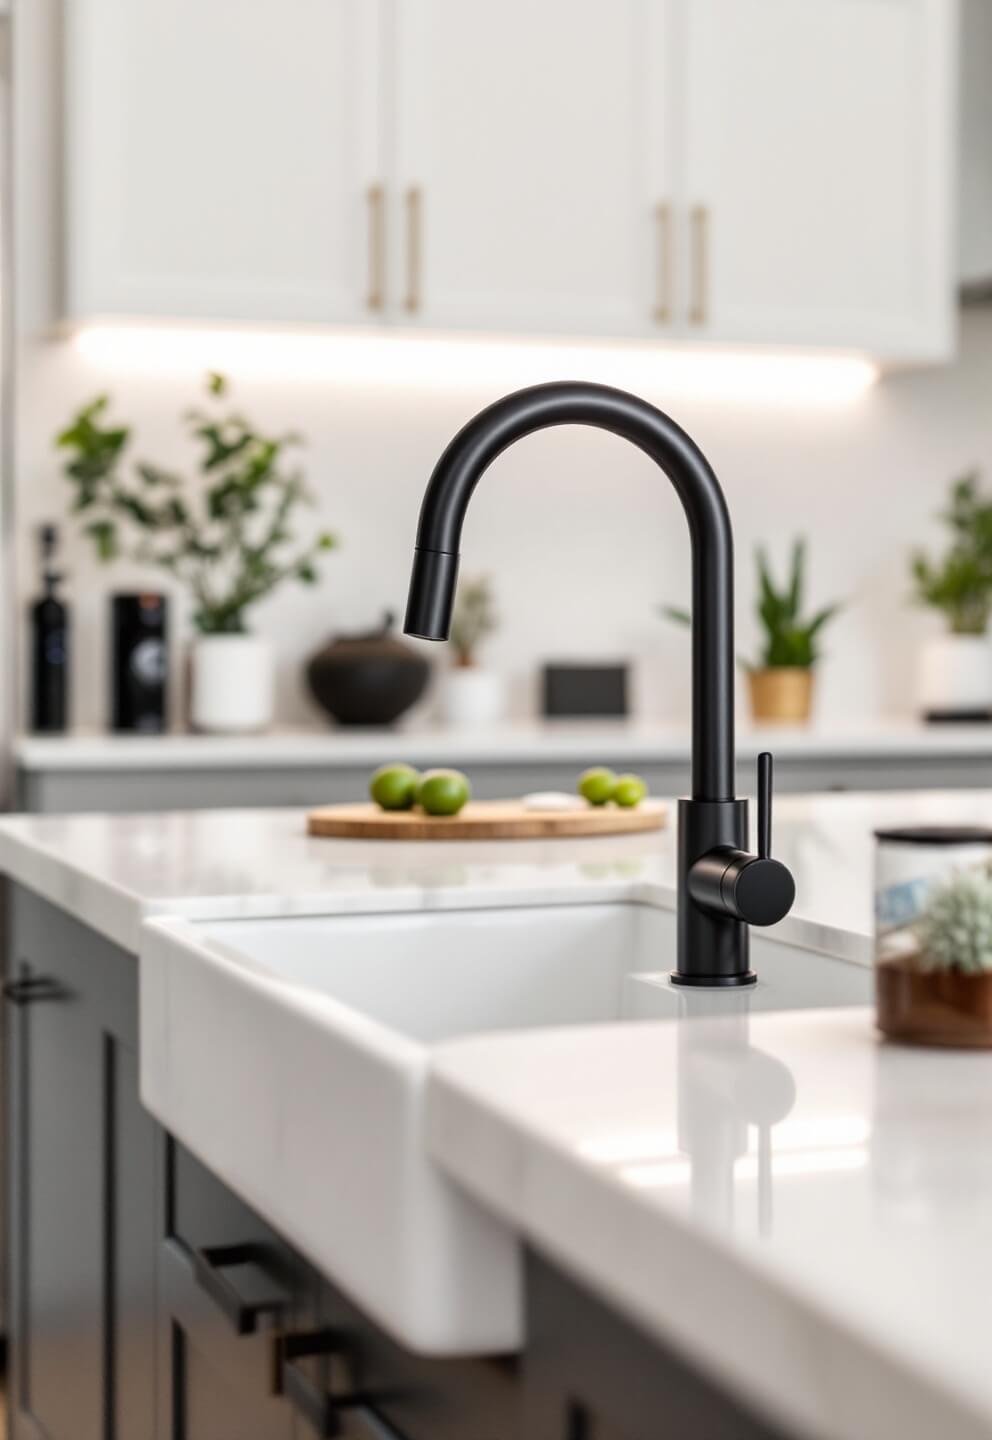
x,y
722,888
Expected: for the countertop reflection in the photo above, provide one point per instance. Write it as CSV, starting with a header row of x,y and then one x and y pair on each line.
x,y
800,1207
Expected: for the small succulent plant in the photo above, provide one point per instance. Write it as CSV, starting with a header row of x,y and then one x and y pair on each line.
x,y
474,618
955,930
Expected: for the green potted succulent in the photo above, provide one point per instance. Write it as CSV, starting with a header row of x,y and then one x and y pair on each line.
x,y
472,694
781,679
781,682
955,671
226,537
939,992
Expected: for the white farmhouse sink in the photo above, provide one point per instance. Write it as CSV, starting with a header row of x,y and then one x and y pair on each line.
x,y
292,1055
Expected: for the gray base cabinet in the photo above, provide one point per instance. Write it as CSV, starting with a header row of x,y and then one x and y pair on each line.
x,y
149,1303
65,791
81,1164
591,1375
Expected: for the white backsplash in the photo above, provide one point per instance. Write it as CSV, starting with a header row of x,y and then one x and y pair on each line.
x,y
583,536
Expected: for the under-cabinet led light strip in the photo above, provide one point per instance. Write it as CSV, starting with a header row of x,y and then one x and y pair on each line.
x,y
450,362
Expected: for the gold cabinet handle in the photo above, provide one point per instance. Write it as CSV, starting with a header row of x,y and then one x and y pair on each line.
x,y
414,218
376,298
664,260
699,221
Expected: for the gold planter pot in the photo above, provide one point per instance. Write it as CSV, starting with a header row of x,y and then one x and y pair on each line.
x,y
782,695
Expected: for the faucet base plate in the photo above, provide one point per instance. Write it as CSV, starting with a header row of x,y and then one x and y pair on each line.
x,y
721,982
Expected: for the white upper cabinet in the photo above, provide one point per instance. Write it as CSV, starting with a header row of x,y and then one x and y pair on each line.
x,y
223,157
532,149
753,171
818,174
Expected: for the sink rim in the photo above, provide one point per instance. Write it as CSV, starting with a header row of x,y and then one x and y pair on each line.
x,y
396,1045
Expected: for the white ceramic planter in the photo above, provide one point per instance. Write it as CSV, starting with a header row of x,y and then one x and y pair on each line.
x,y
471,696
955,676
232,684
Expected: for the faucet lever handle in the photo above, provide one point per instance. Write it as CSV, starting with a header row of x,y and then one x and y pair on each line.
x,y
765,783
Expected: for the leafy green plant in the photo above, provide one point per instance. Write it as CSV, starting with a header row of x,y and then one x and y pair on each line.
x,y
473,619
955,930
790,641
226,537
959,583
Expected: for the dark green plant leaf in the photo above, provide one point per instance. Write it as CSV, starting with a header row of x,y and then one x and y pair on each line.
x,y
104,536
155,476
678,613
789,640
795,601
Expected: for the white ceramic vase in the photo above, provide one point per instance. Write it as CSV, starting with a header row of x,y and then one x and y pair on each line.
x,y
232,684
472,697
955,677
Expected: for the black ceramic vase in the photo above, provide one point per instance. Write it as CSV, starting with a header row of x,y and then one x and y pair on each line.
x,y
369,679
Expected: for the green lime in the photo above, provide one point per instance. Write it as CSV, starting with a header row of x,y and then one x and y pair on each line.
x,y
394,787
596,785
443,792
629,791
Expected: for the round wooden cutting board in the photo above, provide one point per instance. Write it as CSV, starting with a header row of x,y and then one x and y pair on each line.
x,y
483,820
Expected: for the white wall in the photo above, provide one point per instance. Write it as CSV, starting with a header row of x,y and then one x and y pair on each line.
x,y
583,536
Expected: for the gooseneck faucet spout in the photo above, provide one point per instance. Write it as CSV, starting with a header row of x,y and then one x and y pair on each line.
x,y
474,449
712,825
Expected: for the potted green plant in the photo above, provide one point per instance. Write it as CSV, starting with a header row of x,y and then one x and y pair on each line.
x,y
472,694
955,671
781,680
226,537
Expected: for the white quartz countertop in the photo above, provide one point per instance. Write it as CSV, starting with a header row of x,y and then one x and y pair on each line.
x,y
802,1210
111,871
584,742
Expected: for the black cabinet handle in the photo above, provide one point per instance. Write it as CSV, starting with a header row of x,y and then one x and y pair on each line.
x,y
319,1407
209,1265
29,988
373,1426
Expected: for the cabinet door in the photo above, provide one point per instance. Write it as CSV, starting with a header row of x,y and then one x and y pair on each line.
x,y
217,1385
81,1185
56,1073
591,1375
415,1397
818,170
221,156
532,171
228,1289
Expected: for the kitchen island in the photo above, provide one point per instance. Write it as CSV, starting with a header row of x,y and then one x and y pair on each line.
x,y
747,1224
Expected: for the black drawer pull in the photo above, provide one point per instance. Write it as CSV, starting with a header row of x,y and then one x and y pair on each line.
x,y
318,1406
374,1426
29,988
209,1265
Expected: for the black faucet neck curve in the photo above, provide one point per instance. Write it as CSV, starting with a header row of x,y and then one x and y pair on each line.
x,y
491,432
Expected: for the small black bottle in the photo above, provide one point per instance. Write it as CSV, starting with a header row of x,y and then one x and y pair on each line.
x,y
49,645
